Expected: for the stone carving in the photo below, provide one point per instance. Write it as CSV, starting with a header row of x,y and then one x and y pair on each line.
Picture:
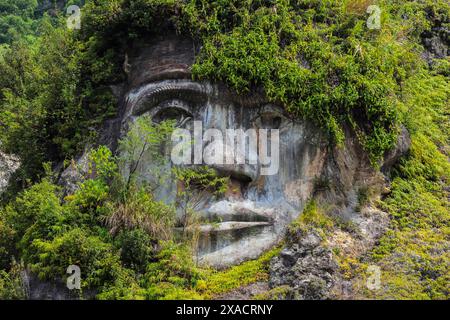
x,y
253,217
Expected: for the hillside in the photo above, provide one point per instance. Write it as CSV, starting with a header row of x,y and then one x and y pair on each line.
x,y
367,112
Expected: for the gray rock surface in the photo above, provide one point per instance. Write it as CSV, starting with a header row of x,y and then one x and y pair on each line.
x,y
306,267
436,43
8,165
401,148
37,289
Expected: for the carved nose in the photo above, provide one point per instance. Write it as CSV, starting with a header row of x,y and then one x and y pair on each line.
x,y
244,172
239,165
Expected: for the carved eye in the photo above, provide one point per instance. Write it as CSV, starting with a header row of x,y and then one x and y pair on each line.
x,y
269,120
173,111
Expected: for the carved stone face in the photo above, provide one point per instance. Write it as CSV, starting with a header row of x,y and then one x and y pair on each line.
x,y
251,216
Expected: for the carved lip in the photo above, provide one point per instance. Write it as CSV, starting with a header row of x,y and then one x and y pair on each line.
x,y
219,222
226,215
230,226
238,216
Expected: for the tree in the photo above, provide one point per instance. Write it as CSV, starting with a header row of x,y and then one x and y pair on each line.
x,y
16,19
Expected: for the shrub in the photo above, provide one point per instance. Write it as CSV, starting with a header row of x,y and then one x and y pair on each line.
x,y
312,217
140,210
412,254
7,244
98,263
33,205
125,287
216,282
173,272
11,284
137,249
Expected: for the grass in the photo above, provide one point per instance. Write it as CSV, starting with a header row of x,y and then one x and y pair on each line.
x,y
216,282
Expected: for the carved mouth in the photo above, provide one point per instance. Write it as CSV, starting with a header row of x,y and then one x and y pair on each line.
x,y
234,227
227,215
240,215
231,225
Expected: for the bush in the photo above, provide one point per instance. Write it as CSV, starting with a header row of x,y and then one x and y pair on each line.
x,y
125,287
312,217
98,262
7,244
219,282
140,210
172,273
36,210
11,284
412,254
137,249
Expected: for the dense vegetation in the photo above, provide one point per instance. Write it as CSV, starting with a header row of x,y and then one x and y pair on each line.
x,y
414,254
316,58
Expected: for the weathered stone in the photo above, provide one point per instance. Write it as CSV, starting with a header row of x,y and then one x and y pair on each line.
x,y
8,165
436,43
400,149
37,289
306,267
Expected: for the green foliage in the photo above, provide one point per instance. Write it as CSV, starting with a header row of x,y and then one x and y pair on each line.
x,y
16,19
46,109
312,217
38,101
140,210
125,287
145,140
316,58
332,72
219,282
99,264
412,254
137,249
173,275
201,178
34,214
38,207
52,234
88,205
7,244
11,284
132,204
102,164
91,196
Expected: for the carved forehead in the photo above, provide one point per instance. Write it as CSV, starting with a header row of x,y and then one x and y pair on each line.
x,y
153,62
165,57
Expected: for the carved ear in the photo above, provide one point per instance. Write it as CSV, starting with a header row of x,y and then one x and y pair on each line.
x,y
126,65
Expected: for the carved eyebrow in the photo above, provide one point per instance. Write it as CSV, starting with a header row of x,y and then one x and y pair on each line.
x,y
175,73
150,95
